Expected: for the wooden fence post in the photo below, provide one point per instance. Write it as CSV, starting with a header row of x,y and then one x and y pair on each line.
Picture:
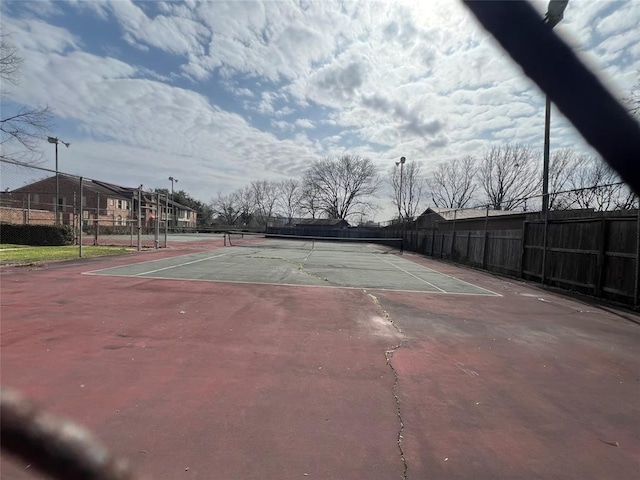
x,y
523,247
453,235
543,273
601,260
484,244
433,238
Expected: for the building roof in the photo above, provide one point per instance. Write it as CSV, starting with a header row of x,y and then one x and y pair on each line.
x,y
322,222
88,185
465,213
97,186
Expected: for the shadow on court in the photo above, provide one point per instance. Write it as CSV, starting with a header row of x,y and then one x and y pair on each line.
x,y
192,371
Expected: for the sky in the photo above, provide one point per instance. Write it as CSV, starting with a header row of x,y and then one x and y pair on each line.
x,y
217,94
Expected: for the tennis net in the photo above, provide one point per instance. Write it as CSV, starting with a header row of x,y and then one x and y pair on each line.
x,y
314,243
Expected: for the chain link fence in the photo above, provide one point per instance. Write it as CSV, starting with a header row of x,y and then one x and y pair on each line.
x,y
96,212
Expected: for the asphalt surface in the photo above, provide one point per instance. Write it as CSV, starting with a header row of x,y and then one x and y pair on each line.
x,y
208,378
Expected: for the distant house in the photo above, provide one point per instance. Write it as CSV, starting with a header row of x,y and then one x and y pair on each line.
x,y
110,204
433,215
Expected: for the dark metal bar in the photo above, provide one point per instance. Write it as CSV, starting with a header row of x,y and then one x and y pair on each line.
x,y
570,85
55,446
545,158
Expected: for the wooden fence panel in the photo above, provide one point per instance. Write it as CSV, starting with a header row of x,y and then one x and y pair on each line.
x,y
619,265
504,251
533,239
593,255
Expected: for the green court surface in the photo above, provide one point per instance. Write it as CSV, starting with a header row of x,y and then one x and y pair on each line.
x,y
278,262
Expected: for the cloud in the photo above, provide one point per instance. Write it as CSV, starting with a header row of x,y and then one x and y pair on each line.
x,y
304,123
261,88
40,36
341,83
177,35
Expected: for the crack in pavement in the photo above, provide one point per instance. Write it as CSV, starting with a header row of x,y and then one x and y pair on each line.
x,y
388,355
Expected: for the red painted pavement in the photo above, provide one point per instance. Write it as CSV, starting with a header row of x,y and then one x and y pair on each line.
x,y
530,385
258,381
229,381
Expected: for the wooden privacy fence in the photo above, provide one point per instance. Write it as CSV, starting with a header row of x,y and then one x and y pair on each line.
x,y
595,256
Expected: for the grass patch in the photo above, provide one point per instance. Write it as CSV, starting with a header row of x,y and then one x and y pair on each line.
x,y
27,254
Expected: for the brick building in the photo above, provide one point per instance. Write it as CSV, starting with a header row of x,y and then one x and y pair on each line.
x,y
110,204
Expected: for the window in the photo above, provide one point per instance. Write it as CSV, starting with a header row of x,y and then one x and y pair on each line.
x,y
119,219
36,198
111,202
119,203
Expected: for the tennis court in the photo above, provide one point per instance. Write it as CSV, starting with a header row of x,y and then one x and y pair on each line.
x,y
309,261
271,360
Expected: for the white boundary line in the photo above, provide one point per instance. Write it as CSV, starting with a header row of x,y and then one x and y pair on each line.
x,y
241,282
179,265
149,261
414,276
456,278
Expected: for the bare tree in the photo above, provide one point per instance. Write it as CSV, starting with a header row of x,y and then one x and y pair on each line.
x,y
289,198
561,168
626,199
310,200
227,208
344,186
452,184
633,100
21,130
407,200
10,61
595,185
508,175
265,196
246,205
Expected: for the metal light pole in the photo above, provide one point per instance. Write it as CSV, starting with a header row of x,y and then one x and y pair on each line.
x,y
173,206
553,16
401,163
56,140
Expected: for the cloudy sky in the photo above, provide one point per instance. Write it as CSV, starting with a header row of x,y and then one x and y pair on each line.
x,y
219,93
